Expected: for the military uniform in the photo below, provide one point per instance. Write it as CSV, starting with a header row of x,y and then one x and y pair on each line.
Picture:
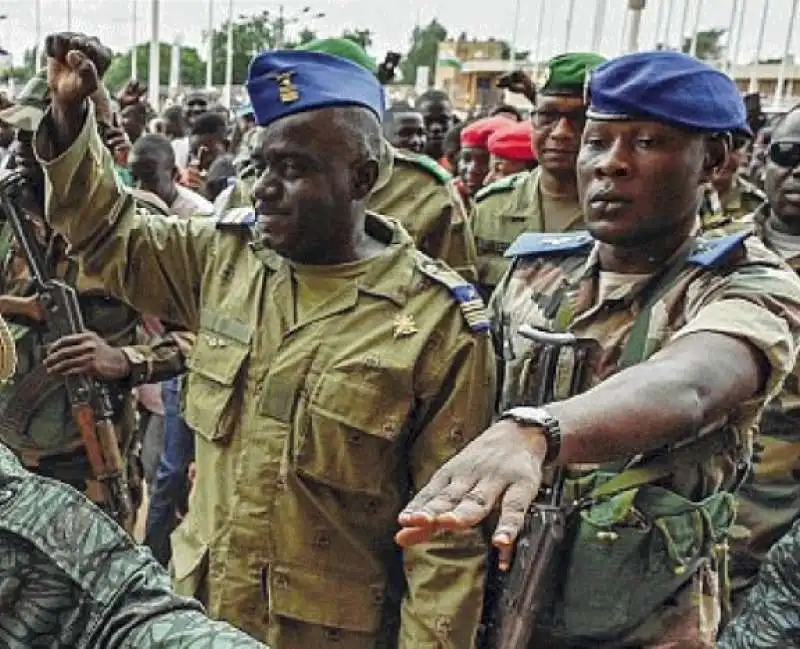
x,y
720,214
416,192
311,433
37,421
72,579
769,500
556,282
507,208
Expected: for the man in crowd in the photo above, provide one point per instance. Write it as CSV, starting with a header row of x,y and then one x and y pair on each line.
x,y
404,128
335,367
545,199
152,165
474,161
686,341
769,500
437,112
511,151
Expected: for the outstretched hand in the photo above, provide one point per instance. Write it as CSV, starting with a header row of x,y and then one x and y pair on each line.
x,y
502,467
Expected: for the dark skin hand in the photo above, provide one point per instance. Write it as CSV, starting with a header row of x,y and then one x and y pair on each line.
x,y
26,307
75,65
87,353
518,82
131,94
638,183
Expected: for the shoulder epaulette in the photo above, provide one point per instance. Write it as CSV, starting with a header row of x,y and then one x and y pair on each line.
x,y
237,216
541,243
426,164
465,294
709,253
500,186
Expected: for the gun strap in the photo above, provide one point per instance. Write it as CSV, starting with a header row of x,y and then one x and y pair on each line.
x,y
665,465
30,393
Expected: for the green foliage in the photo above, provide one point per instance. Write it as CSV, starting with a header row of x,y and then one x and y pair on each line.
x,y
361,36
423,51
193,68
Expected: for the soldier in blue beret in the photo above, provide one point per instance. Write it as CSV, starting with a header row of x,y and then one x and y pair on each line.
x,y
637,359
336,367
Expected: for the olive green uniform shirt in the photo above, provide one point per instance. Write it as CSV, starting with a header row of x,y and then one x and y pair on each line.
x,y
507,208
720,214
414,189
310,437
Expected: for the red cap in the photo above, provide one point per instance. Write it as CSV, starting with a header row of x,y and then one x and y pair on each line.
x,y
514,142
476,134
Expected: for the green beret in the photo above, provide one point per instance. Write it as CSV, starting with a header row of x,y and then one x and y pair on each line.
x,y
566,74
30,105
343,47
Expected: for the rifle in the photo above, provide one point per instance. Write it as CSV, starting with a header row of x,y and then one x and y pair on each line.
x,y
89,398
516,599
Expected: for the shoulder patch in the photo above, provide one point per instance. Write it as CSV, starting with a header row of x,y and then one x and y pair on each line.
x,y
237,216
465,294
709,253
424,163
541,243
500,186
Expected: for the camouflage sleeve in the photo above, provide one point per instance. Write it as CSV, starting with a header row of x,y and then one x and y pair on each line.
x,y
771,617
443,603
152,262
159,359
73,577
758,302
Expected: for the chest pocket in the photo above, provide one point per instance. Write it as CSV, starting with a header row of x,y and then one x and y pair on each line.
x,y
351,436
222,346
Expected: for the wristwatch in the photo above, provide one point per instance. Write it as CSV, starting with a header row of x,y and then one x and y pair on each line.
x,y
544,421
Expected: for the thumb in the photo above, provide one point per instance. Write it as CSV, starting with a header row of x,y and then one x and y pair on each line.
x,y
85,69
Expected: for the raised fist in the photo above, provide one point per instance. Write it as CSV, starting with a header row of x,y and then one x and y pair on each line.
x,y
75,65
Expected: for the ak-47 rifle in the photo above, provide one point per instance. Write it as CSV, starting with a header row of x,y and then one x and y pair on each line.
x,y
89,398
516,599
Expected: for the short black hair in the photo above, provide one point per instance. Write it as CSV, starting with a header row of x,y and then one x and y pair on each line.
x,y
434,95
210,124
506,108
155,146
174,113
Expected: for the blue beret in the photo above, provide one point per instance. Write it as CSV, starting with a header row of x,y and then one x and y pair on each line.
x,y
668,87
286,82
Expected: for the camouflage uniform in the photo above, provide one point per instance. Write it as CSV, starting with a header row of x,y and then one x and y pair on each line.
x,y
726,287
769,500
724,213
771,617
504,210
72,579
310,435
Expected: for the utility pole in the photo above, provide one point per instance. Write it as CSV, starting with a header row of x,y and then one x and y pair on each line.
x,y
787,47
154,78
636,7
696,31
134,52
759,47
227,97
210,47
570,13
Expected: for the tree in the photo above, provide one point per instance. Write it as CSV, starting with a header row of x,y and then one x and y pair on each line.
x,y
193,69
361,36
709,47
423,51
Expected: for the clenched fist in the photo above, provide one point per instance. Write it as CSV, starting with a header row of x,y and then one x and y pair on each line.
x,y
75,65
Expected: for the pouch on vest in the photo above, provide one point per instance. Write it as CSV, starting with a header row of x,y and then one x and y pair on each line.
x,y
630,553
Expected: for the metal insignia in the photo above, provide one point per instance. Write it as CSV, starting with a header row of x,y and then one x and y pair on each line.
x,y
404,325
287,91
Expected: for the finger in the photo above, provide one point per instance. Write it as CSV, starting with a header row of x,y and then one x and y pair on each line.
x,y
413,513
475,505
515,504
448,498
50,45
505,554
86,70
71,340
79,365
67,354
409,536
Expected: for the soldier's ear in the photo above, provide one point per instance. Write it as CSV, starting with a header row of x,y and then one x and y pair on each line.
x,y
717,149
365,175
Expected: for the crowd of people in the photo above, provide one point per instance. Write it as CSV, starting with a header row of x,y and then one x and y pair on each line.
x,y
348,345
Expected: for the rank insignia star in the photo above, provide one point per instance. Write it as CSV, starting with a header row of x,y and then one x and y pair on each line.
x,y
404,325
287,91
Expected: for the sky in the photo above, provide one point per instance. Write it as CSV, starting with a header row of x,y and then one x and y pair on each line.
x,y
392,22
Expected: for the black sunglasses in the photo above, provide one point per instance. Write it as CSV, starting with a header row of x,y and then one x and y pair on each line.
x,y
785,153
